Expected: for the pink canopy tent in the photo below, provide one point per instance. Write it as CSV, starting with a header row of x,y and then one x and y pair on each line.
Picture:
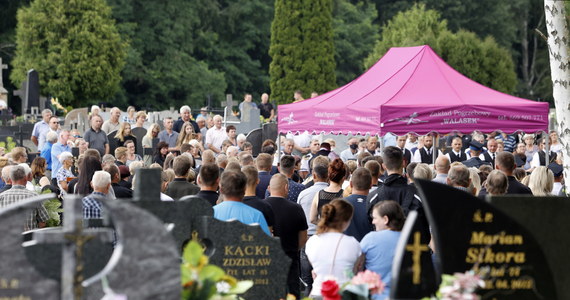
x,y
412,90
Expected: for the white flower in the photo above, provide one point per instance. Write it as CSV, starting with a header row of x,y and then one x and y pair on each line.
x,y
223,287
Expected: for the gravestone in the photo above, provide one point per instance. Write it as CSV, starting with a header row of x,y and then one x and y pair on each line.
x,y
3,91
249,120
32,96
270,131
532,212
255,137
144,265
77,119
139,133
113,142
470,233
21,93
181,214
247,253
18,277
413,275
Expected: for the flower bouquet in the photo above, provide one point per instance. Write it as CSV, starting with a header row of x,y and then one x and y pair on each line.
x,y
361,287
202,281
459,286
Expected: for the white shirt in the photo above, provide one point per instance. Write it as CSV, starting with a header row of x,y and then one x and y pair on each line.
x,y
216,137
556,188
302,140
456,153
418,158
347,154
482,155
321,251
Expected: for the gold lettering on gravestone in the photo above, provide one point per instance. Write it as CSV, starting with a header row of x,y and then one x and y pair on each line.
x,y
247,262
417,248
11,284
501,276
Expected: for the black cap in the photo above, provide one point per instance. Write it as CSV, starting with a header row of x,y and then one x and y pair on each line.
x,y
476,146
556,169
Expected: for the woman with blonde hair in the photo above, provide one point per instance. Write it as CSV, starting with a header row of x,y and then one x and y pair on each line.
x,y
330,251
541,181
152,133
475,186
124,134
186,134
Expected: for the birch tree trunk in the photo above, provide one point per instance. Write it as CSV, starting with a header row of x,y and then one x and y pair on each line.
x,y
558,47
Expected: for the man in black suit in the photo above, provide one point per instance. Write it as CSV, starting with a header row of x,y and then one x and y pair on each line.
x,y
401,143
456,153
426,153
180,186
506,163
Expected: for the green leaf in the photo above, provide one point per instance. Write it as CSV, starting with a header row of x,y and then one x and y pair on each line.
x,y
211,272
192,253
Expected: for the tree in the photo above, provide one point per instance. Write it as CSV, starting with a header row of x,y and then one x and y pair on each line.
x,y
74,46
302,48
559,50
481,60
354,37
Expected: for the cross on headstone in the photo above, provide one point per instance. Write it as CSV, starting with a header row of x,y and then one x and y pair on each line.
x,y
22,91
417,248
73,237
2,67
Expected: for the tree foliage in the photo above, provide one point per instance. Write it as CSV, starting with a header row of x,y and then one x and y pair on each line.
x,y
481,60
354,37
74,46
302,48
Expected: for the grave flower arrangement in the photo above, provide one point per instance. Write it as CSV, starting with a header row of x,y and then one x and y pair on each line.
x,y
203,281
360,287
459,286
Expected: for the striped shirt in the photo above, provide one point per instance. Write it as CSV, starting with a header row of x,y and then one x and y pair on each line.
x,y
19,193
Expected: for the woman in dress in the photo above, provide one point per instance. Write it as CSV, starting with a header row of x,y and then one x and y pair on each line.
x,y
379,247
124,134
330,252
151,134
131,155
64,173
337,173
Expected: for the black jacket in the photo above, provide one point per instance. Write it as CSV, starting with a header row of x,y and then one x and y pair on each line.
x,y
515,188
122,192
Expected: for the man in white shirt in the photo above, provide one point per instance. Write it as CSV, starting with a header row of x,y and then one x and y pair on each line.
x,y
455,154
113,123
425,154
350,152
491,153
41,128
216,135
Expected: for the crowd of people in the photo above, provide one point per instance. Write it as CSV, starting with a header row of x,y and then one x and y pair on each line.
x,y
334,212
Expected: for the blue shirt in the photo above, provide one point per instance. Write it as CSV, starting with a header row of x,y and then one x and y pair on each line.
x,y
56,150
234,210
91,206
294,190
170,139
379,248
46,153
359,225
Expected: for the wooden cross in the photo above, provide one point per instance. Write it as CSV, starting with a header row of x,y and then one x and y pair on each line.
x,y
417,248
2,67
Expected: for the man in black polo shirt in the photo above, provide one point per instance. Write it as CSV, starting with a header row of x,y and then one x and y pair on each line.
x,y
252,200
290,226
209,180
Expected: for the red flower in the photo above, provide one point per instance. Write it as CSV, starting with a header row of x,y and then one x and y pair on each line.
x,y
330,290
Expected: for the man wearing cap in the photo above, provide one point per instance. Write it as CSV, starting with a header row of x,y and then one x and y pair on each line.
x,y
558,172
475,149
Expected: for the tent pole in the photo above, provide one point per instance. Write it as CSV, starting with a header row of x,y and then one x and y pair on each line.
x,y
381,139
546,149
435,148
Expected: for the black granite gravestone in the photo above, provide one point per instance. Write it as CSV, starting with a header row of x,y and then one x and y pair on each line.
x,y
18,277
470,233
139,133
255,137
247,253
533,212
32,98
413,274
113,142
269,131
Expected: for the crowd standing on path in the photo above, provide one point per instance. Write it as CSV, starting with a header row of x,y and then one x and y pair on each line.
x,y
334,212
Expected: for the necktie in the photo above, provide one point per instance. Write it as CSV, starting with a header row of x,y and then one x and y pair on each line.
x,y
493,156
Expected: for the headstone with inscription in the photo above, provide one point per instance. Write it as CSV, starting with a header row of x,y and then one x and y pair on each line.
x,y
413,275
247,253
532,212
32,96
470,233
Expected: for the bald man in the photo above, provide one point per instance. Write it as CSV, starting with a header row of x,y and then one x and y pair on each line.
x,y
441,166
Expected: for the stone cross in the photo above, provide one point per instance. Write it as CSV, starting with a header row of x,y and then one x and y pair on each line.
x,y
2,67
73,238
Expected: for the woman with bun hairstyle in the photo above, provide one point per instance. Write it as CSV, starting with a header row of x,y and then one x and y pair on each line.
x,y
378,247
337,174
330,252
